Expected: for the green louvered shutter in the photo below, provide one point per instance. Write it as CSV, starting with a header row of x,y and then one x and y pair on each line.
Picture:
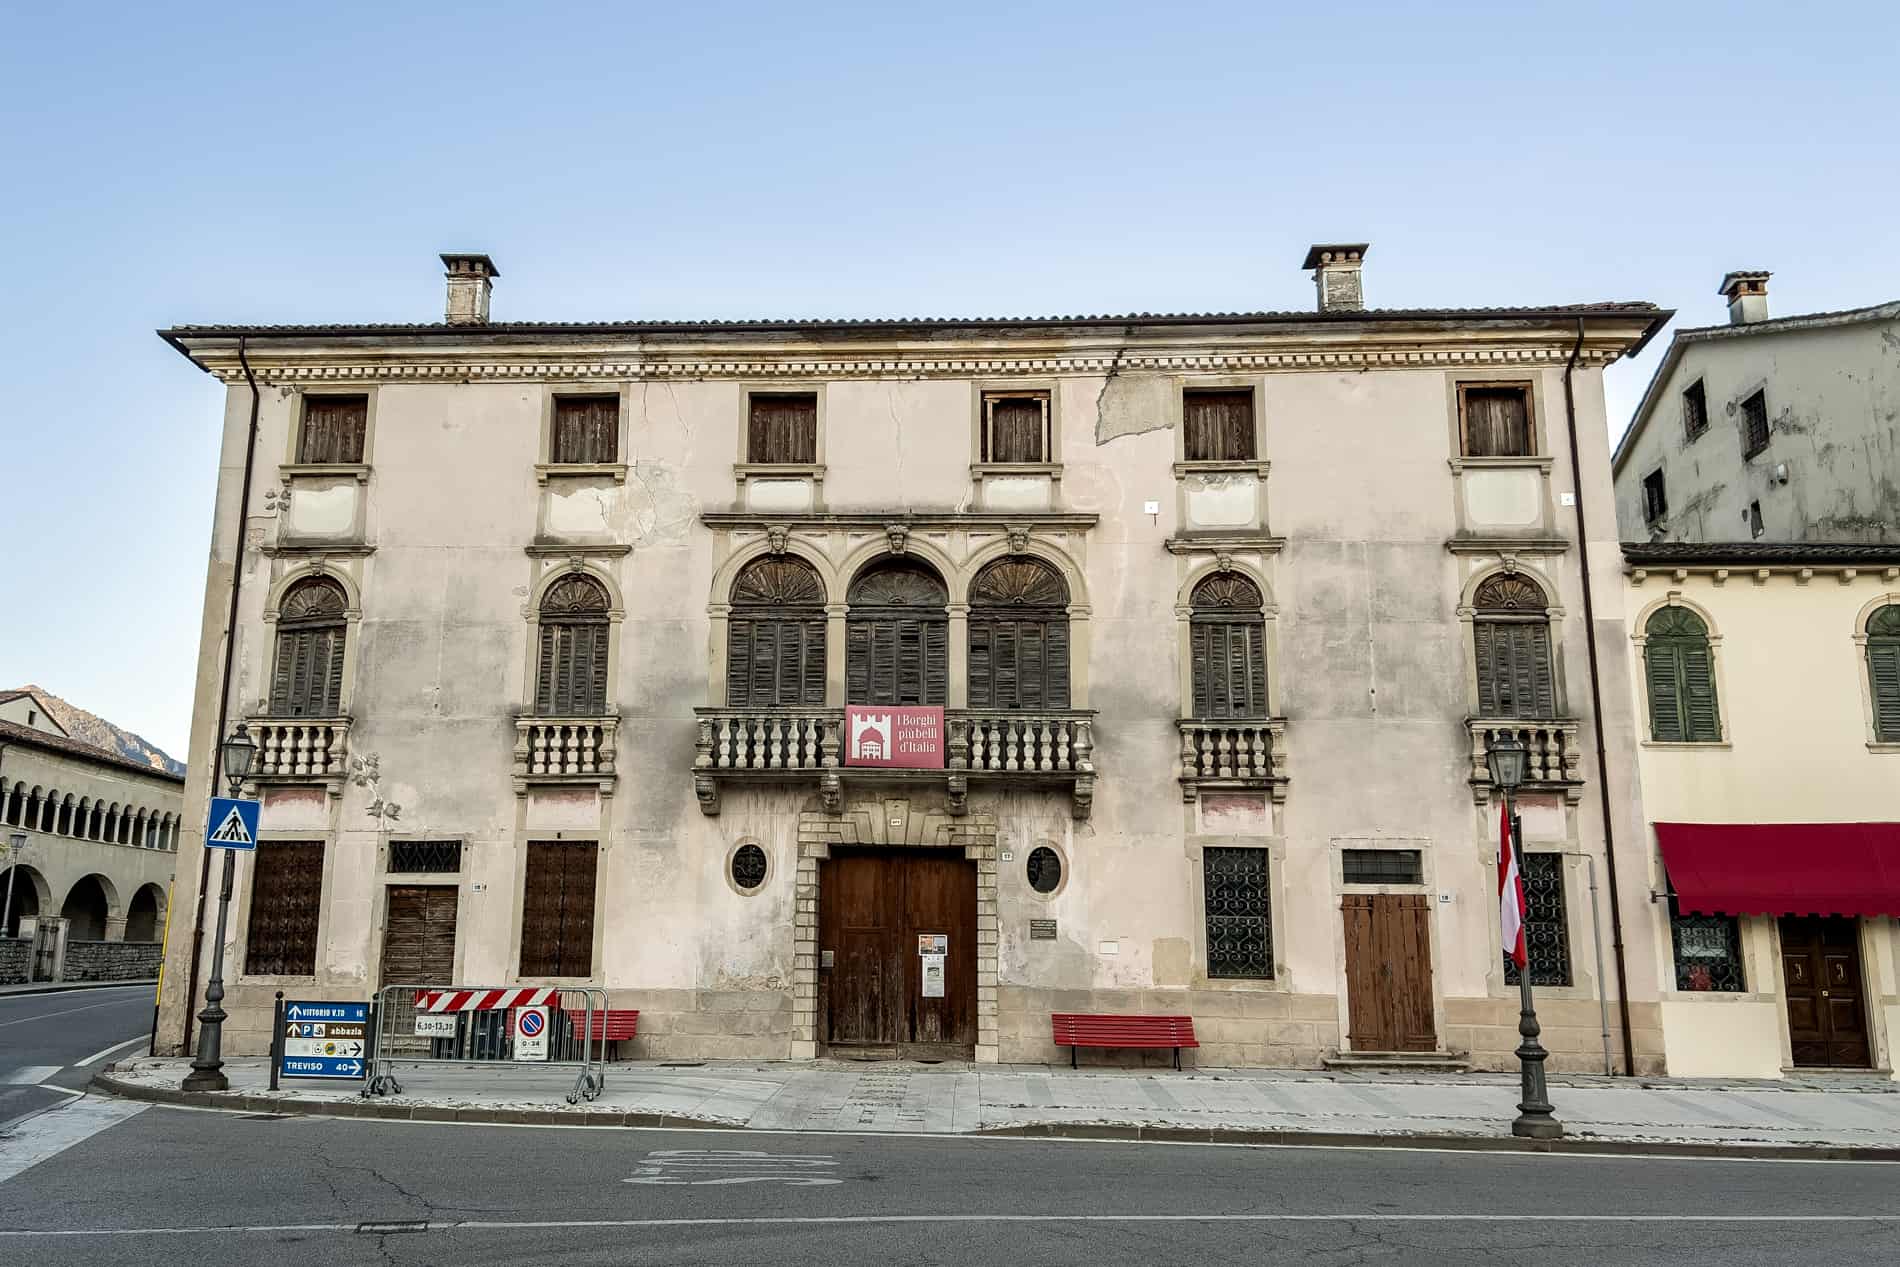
x,y
1883,670
1663,660
1701,721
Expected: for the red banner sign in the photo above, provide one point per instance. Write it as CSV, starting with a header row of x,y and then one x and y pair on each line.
x,y
893,737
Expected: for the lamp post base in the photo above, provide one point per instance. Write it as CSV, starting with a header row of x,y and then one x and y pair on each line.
x,y
206,1080
1537,1126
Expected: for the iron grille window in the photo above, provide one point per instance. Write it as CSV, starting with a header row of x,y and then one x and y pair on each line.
x,y
1655,497
1217,426
1045,869
557,909
333,428
1546,931
1496,421
748,866
425,857
1015,427
1382,866
1239,918
1695,410
586,429
782,428
1754,424
1708,950
286,894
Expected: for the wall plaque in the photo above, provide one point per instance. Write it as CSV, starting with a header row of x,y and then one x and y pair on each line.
x,y
1042,930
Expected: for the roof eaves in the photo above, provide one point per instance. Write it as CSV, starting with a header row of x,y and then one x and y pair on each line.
x,y
14,732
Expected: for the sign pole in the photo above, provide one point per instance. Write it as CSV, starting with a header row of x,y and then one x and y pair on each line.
x,y
276,1039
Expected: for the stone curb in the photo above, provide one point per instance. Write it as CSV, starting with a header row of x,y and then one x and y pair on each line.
x,y
23,991
368,1108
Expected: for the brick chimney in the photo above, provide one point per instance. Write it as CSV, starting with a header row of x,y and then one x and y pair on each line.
x,y
1747,295
471,278
1336,274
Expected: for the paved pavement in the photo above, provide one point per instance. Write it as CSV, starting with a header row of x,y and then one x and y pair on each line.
x,y
158,1184
906,1097
52,1044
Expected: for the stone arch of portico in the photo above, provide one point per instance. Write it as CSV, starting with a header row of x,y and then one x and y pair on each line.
x,y
894,822
32,895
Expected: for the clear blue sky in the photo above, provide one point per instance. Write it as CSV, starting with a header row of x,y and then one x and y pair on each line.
x,y
216,164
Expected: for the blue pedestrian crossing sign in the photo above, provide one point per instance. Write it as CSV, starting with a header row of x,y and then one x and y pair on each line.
x,y
232,824
325,1040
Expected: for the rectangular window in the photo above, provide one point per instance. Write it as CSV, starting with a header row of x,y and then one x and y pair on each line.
x,y
1382,866
1695,410
557,909
1015,427
1655,498
586,430
286,893
333,429
1546,930
1217,426
425,857
1755,525
1496,420
1708,950
1754,424
783,428
1239,918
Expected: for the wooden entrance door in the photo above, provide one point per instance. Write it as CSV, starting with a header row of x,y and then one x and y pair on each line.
x,y
1389,972
1820,966
873,908
419,935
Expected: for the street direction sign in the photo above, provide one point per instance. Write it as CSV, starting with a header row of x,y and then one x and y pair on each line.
x,y
232,824
325,1040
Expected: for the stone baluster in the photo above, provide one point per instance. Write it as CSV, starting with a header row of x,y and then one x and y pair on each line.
x,y
1084,746
1062,745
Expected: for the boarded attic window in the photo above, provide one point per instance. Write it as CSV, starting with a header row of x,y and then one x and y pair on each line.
x,y
1495,420
783,428
1015,427
1695,411
1217,426
586,430
1655,498
1754,425
333,429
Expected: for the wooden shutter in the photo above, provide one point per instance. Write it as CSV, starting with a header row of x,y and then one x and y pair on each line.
x,y
1019,636
783,428
284,671
333,429
1017,429
1217,426
1883,671
557,909
419,935
897,640
586,429
1702,723
1497,422
286,896
1662,659
1514,671
775,638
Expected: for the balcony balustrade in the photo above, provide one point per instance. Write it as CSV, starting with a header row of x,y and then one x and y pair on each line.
x,y
565,750
1553,759
300,750
1233,754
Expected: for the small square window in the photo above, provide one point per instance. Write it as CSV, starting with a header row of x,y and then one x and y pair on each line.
x,y
1015,427
1754,424
1217,426
586,430
1655,498
333,429
1382,866
782,429
1695,410
1495,421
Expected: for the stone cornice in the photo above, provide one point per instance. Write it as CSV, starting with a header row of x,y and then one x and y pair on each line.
x,y
995,521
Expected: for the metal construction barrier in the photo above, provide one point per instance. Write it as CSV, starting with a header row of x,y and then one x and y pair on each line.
x,y
525,1026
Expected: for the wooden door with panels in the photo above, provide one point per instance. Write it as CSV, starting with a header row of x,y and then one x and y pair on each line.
x,y
882,915
1389,972
1820,969
419,935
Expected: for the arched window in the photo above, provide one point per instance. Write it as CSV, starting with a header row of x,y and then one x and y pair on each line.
x,y
571,680
307,680
1883,671
1019,636
1511,636
1681,676
1227,646
897,636
775,637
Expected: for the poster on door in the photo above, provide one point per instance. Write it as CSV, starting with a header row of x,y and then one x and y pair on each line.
x,y
933,976
531,1033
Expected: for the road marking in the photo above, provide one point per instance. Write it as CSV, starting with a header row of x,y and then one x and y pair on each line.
x,y
47,1016
101,1055
32,1075
822,1220
701,1167
54,1131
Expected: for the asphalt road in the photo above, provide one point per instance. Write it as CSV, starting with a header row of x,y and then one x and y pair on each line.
x,y
59,1040
168,1185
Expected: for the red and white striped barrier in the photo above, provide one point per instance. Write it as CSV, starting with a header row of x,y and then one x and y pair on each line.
x,y
483,1000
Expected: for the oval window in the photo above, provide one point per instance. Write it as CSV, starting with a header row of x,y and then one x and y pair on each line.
x,y
748,866
1045,869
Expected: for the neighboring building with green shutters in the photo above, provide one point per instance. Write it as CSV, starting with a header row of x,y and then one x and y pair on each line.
x,y
1767,694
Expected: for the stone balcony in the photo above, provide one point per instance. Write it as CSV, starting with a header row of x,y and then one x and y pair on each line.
x,y
1019,747
300,750
565,750
1553,763
1242,755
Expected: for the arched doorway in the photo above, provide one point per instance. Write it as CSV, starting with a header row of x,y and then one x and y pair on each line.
x,y
28,886
86,909
146,915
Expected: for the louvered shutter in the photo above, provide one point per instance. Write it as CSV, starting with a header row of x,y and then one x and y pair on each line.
x,y
1056,663
283,672
857,666
739,635
1701,722
982,667
813,678
1201,643
1543,694
544,670
1883,670
1485,641
1663,667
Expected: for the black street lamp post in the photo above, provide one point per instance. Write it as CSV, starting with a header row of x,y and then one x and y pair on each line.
x,y
207,1068
1505,756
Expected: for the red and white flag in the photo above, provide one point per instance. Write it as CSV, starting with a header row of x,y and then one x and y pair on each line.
x,y
1510,894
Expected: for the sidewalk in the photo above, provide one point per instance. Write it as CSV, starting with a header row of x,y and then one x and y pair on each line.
x,y
60,987
1828,1116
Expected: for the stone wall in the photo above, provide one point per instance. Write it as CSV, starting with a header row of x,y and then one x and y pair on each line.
x,y
112,960
16,953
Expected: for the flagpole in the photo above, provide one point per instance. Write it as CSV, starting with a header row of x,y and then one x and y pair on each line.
x,y
1535,1116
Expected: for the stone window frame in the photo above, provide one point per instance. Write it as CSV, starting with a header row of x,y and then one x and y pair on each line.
x,y
744,469
1194,847
1863,675
1259,465
1553,614
1639,642
1656,507
980,471
314,569
542,582
1578,932
1700,387
1740,408
460,880
771,866
290,468
1257,573
545,465
1542,459
517,898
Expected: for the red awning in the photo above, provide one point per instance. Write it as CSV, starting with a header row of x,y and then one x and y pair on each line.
x,y
1783,868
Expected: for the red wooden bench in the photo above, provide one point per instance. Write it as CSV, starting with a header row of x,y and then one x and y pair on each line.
x,y
614,1025
1078,1029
